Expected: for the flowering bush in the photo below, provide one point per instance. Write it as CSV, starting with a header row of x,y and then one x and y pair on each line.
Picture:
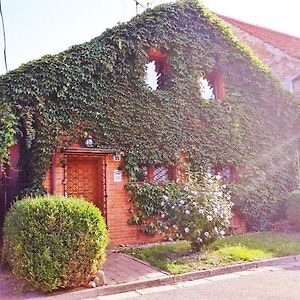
x,y
198,210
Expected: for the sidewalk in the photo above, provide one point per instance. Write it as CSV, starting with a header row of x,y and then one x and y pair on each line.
x,y
125,273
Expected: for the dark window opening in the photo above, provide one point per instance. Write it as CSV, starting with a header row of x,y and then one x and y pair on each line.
x,y
211,86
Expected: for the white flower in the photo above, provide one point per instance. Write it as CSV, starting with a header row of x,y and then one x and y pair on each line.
x,y
163,203
186,188
165,198
218,177
219,194
209,218
181,202
187,212
206,233
186,230
201,211
162,215
199,239
173,207
222,232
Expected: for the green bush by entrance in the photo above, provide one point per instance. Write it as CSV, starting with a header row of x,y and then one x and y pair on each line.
x,y
53,242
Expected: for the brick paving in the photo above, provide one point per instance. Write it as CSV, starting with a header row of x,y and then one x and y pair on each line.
x,y
122,268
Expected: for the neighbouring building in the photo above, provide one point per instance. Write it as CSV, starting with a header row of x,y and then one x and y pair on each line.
x,y
279,51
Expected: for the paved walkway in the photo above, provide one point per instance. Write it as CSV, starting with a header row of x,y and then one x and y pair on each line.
x,y
118,268
122,268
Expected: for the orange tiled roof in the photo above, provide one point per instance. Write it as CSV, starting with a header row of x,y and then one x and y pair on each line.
x,y
285,42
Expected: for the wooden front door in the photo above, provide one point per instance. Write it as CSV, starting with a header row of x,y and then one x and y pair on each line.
x,y
85,178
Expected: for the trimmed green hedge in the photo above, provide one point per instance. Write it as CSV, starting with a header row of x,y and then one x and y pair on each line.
x,y
54,242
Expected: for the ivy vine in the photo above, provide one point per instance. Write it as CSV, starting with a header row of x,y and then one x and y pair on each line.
x,y
98,87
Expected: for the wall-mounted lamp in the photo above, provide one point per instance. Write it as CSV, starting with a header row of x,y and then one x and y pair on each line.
x,y
89,142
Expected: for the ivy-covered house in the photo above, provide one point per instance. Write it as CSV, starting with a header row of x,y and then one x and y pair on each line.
x,y
85,121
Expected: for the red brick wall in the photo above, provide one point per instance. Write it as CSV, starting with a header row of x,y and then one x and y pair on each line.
x,y
237,223
55,177
118,203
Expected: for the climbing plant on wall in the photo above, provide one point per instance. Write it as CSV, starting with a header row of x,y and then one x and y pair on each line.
x,y
98,87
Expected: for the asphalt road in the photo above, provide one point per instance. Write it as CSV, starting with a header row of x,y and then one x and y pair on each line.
x,y
272,283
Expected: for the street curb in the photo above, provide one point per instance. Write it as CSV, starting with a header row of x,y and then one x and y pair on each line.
x,y
171,279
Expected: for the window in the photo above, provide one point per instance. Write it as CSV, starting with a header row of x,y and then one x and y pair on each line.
x,y
228,174
152,76
156,70
211,86
207,91
157,174
160,174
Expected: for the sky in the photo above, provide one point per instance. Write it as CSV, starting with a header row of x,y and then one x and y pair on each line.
x,y
38,27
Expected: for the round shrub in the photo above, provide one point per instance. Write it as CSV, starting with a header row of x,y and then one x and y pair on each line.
x,y
54,242
293,209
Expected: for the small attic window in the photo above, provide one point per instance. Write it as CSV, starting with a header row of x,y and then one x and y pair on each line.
x,y
152,76
207,90
156,69
211,86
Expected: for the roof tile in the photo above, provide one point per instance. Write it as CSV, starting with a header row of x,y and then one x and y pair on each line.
x,y
285,42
